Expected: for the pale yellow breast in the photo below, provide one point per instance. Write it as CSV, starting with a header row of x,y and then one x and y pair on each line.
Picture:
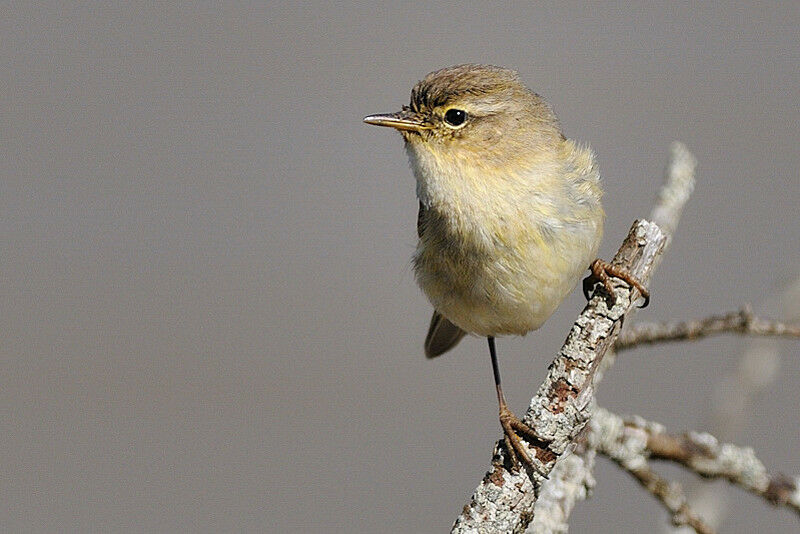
x,y
498,256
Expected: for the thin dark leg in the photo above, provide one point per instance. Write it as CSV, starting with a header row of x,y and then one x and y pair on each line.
x,y
508,420
511,423
496,368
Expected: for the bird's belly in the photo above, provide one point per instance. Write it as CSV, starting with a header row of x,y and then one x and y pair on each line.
x,y
498,289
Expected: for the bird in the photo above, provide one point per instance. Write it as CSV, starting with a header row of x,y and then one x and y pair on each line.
x,y
510,213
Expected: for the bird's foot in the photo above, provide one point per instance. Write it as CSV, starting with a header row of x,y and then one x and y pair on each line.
x,y
602,271
515,431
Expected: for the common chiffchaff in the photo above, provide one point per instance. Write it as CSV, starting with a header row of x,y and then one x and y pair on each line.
x,y
509,210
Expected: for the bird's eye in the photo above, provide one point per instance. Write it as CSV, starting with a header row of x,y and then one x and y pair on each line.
x,y
455,117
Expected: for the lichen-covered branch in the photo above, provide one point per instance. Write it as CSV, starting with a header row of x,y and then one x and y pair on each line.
x,y
505,501
671,495
625,443
672,197
677,189
632,442
733,397
740,322
571,484
571,481
706,456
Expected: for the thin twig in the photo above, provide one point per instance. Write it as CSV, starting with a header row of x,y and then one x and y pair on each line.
x,y
632,441
624,441
671,496
740,322
706,456
733,397
677,189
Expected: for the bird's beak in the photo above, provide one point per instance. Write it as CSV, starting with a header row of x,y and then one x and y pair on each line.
x,y
402,120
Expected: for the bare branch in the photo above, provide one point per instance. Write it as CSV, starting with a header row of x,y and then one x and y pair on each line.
x,y
504,501
632,441
625,443
706,456
678,187
571,481
733,398
671,496
740,322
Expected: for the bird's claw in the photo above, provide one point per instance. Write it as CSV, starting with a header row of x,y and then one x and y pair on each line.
x,y
515,431
602,271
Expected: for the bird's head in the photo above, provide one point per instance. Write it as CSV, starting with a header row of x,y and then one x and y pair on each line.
x,y
475,114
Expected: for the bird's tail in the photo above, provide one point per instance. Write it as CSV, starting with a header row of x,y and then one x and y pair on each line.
x,y
442,336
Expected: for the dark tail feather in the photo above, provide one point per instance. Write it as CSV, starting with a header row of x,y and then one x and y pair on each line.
x,y
442,336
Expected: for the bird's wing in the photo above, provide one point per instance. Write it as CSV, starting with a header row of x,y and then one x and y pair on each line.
x,y
442,336
421,220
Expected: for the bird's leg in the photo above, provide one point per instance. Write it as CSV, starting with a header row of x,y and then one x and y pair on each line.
x,y
512,426
602,271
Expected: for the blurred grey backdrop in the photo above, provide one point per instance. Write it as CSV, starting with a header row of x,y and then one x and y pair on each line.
x,y
209,322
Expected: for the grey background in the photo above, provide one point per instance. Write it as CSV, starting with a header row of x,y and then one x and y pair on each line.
x,y
208,317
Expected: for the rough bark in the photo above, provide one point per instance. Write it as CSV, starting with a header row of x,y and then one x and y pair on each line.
x,y
505,501
541,499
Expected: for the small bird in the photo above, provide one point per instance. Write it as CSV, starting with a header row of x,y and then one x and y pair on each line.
x,y
509,212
